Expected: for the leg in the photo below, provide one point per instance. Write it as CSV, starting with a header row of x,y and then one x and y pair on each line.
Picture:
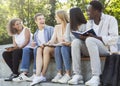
x,y
34,54
39,65
39,61
58,59
48,52
95,49
17,56
7,56
66,54
76,46
25,63
59,63
76,56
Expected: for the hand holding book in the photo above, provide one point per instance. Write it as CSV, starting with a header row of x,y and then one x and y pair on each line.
x,y
58,44
53,45
85,34
9,49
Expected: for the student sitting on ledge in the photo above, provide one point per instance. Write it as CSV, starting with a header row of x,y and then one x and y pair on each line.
x,y
42,35
106,29
21,39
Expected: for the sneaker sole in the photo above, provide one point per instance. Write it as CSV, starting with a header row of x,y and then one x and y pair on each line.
x,y
54,81
75,83
18,81
92,84
37,82
63,82
34,84
29,80
22,80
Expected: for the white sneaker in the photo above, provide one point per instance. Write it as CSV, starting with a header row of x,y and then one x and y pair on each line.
x,y
94,81
76,79
30,79
38,79
64,79
21,77
57,77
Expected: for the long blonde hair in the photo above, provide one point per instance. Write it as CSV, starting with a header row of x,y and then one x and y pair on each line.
x,y
63,16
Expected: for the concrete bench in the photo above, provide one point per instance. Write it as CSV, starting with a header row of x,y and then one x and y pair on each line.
x,y
5,71
86,69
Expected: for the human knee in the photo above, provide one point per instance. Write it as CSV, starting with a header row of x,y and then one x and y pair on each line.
x,y
39,50
76,43
17,53
26,50
57,48
4,54
65,48
89,41
47,50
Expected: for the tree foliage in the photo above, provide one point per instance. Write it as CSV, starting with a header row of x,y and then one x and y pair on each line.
x,y
26,9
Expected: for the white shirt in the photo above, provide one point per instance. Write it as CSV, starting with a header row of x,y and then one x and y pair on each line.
x,y
96,28
41,37
108,30
20,38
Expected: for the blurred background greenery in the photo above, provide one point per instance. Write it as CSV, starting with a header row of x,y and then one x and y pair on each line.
x,y
26,9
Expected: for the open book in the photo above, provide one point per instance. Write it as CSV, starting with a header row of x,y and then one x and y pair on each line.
x,y
53,45
9,47
77,33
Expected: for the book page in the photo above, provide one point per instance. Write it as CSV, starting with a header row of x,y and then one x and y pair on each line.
x,y
53,45
77,33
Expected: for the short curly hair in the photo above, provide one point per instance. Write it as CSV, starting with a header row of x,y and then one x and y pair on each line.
x,y
11,23
97,5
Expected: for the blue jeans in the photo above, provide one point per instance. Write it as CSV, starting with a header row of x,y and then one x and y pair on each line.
x,y
28,54
62,56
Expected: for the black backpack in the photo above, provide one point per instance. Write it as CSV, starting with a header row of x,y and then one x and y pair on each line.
x,y
111,73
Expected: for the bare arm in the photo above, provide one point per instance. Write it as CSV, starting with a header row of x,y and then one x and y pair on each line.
x,y
27,38
54,36
14,43
9,49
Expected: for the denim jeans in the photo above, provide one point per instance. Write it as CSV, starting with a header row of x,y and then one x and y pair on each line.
x,y
28,54
62,56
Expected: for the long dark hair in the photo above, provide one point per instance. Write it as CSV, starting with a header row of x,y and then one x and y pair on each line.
x,y
76,18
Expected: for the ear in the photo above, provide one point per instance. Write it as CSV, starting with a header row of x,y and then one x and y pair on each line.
x,y
35,21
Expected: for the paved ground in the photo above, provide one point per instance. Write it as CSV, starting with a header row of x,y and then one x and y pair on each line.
x,y
3,83
2,48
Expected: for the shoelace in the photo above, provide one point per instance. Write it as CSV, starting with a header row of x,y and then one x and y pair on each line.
x,y
20,78
64,77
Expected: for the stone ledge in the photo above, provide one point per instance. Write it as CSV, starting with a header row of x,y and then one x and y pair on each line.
x,y
88,58
11,83
85,64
